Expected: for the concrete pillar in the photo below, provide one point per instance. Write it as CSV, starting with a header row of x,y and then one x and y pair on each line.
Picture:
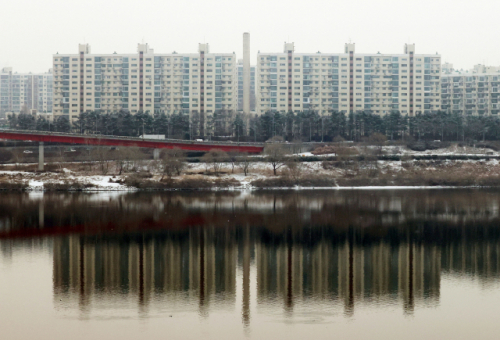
x,y
40,156
246,73
156,154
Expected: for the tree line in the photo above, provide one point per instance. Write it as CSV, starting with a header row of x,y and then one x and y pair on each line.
x,y
302,126
335,126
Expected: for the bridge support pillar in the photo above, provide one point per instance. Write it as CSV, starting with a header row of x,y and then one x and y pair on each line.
x,y
156,154
40,156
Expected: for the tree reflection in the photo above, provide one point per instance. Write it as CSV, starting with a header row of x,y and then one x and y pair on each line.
x,y
342,249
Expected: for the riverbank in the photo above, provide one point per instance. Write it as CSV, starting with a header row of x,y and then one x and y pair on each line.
x,y
260,175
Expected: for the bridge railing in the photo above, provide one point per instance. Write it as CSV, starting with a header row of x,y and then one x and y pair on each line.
x,y
166,140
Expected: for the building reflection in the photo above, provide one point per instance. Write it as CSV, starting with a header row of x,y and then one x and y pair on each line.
x,y
211,251
201,265
349,272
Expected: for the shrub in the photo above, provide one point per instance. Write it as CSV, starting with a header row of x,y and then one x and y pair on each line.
x,y
180,184
14,186
215,158
67,186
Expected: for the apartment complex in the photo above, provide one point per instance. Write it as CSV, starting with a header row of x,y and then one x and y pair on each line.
x,y
240,86
25,92
471,93
348,82
200,82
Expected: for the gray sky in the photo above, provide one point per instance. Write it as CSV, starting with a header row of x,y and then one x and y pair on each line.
x,y
463,32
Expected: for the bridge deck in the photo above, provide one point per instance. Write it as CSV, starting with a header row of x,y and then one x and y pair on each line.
x,y
57,137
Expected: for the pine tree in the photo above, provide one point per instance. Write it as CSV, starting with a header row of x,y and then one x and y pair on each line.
x,y
62,124
238,126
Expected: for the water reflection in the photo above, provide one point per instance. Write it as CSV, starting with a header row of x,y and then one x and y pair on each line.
x,y
204,250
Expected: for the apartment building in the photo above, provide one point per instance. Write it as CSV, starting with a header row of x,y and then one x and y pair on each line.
x,y
446,68
200,82
348,82
470,93
240,86
26,92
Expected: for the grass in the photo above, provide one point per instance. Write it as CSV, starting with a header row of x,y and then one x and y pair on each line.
x,y
185,183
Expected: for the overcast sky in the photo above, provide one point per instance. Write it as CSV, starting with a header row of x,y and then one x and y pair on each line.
x,y
463,32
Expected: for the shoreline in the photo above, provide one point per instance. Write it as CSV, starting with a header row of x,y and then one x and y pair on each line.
x,y
124,189
326,175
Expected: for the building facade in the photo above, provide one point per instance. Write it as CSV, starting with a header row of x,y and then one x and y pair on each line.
x,y
240,86
25,92
348,82
471,93
200,82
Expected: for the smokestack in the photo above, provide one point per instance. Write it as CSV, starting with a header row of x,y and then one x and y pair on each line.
x,y
246,72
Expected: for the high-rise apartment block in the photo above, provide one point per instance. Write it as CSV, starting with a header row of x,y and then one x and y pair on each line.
x,y
200,82
203,83
25,92
474,92
348,82
240,86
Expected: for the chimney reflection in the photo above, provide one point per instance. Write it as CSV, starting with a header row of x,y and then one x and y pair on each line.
x,y
246,278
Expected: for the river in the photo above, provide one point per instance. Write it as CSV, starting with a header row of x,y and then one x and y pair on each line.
x,y
353,264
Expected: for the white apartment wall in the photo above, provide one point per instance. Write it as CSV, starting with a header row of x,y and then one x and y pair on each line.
x,y
485,69
31,91
471,94
329,77
174,80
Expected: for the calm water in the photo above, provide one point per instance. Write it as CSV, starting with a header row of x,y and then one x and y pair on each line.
x,y
274,265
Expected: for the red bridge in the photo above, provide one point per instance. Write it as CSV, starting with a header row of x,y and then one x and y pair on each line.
x,y
57,137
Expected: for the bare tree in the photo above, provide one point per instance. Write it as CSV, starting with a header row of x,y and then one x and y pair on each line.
x,y
59,159
17,156
295,168
88,153
216,158
134,158
120,155
100,154
346,157
378,140
173,161
232,157
245,163
276,156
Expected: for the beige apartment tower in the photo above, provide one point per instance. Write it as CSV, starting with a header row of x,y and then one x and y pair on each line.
x,y
348,81
246,73
192,83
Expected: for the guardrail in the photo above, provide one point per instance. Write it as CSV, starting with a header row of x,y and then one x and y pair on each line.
x,y
50,133
73,138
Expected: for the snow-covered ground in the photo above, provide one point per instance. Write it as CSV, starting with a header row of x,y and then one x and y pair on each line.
x,y
403,150
37,182
258,170
451,150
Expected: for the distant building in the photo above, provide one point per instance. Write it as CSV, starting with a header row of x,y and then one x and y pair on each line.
x,y
200,82
25,92
240,86
482,69
447,68
348,82
470,93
